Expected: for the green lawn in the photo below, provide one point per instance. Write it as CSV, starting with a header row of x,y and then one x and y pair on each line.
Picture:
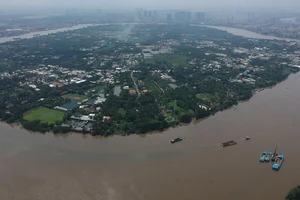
x,y
174,59
75,97
44,114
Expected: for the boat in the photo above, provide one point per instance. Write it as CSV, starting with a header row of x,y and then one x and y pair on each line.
x,y
229,143
268,156
247,138
274,155
176,140
278,162
263,155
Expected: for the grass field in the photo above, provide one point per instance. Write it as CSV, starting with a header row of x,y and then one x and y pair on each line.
x,y
75,97
207,98
174,59
180,111
44,114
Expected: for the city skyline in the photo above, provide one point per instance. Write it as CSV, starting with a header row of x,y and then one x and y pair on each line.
x,y
117,4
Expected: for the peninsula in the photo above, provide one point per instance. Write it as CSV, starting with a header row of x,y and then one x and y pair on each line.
x,y
134,78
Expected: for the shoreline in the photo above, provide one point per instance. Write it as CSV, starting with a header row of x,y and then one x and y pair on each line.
x,y
193,122
254,35
43,33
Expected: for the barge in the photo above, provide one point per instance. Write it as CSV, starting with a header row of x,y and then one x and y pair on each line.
x,y
176,140
229,143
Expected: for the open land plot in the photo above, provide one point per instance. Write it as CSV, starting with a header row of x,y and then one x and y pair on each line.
x,y
175,60
75,97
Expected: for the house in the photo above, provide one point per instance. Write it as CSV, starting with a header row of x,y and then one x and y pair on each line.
x,y
132,92
106,118
141,83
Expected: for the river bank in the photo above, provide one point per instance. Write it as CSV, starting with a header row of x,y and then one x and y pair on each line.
x,y
41,33
250,34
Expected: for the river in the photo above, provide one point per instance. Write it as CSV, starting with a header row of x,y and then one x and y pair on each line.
x,y
235,31
250,34
76,167
33,34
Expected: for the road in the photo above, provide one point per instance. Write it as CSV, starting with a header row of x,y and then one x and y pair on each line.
x,y
136,87
159,87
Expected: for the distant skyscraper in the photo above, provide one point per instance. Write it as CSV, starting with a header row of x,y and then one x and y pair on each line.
x,y
169,17
145,14
99,10
155,15
149,14
183,16
139,13
200,16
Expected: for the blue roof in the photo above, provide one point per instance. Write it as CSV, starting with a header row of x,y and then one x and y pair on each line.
x,y
70,105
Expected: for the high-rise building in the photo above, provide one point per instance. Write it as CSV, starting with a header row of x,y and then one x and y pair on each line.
x,y
155,15
169,17
149,14
145,14
183,16
200,16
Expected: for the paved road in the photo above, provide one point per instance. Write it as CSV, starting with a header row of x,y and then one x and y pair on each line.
x,y
159,87
136,87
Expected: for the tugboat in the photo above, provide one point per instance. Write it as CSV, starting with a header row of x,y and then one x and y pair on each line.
x,y
176,140
247,138
278,162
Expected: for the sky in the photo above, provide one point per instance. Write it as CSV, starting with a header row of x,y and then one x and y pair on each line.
x,y
153,3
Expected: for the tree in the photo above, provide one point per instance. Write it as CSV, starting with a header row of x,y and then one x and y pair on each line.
x,y
186,118
294,194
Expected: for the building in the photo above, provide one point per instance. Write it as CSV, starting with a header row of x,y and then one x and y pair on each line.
x,y
169,17
149,14
132,92
67,106
141,83
183,16
200,17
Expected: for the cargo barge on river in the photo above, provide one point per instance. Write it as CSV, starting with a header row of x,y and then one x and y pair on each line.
x,y
229,143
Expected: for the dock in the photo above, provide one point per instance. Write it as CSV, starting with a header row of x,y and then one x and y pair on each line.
x,y
229,143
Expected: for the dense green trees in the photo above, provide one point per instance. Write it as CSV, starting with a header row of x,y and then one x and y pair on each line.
x,y
129,114
294,194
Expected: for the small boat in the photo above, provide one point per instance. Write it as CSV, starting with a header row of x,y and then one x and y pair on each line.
x,y
176,140
278,162
263,156
229,143
274,155
247,138
268,156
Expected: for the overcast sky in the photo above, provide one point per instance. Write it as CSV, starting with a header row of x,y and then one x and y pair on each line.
x,y
152,3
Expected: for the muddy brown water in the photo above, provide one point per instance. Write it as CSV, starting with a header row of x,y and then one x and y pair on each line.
x,y
76,167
